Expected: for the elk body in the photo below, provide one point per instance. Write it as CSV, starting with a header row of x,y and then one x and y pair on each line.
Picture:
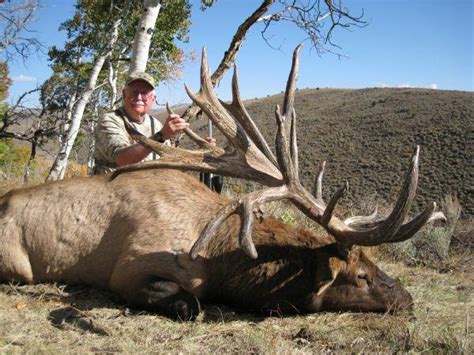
x,y
163,241
131,236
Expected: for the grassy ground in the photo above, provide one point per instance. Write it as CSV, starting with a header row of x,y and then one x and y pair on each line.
x,y
56,318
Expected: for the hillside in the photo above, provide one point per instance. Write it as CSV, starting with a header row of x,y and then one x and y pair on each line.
x,y
367,137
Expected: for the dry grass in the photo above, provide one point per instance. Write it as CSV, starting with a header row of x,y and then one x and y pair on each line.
x,y
52,318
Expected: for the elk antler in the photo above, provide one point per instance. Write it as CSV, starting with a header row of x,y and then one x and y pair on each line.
x,y
249,157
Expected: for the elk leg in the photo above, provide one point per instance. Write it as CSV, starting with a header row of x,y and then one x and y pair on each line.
x,y
154,293
15,264
168,298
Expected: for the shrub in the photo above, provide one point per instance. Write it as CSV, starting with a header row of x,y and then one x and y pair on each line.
x,y
75,169
431,245
13,158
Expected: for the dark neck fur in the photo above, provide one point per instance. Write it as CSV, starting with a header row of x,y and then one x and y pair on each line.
x,y
282,276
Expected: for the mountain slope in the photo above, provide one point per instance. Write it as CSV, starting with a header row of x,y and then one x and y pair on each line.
x,y
367,137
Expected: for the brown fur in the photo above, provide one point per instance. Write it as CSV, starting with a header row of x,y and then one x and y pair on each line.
x,y
132,235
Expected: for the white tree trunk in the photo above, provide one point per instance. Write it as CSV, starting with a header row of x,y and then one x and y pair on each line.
x,y
113,85
91,129
142,40
64,128
59,166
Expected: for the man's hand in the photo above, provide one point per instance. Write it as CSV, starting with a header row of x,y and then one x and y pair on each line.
x,y
173,124
211,140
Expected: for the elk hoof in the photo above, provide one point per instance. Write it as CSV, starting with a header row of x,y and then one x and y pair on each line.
x,y
185,309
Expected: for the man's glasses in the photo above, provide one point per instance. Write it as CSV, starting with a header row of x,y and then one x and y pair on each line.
x,y
145,95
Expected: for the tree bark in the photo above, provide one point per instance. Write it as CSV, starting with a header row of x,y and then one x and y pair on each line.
x,y
142,40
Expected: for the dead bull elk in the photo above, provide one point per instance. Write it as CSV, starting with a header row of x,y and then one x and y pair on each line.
x,y
128,233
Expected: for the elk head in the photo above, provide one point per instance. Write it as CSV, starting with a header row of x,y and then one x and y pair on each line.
x,y
354,281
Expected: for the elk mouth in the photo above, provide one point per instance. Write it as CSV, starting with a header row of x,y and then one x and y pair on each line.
x,y
402,302
393,307
397,298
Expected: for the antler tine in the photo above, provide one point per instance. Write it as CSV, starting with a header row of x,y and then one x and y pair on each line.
x,y
238,110
287,156
318,189
294,144
357,220
247,205
404,201
332,204
211,228
407,230
206,83
283,152
437,216
289,99
245,237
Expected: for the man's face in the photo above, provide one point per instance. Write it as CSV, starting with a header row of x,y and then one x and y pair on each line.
x,y
138,97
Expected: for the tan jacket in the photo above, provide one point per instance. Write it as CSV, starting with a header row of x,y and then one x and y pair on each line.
x,y
111,135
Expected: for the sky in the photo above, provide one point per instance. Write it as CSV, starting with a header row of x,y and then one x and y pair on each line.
x,y
407,43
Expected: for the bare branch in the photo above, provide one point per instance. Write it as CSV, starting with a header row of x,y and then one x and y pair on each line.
x,y
14,20
317,19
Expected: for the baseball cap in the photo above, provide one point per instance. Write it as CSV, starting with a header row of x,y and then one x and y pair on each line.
x,y
147,78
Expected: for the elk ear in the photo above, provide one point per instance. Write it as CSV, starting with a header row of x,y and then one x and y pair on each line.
x,y
335,267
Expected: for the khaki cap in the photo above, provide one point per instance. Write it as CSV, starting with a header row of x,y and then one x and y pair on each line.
x,y
147,78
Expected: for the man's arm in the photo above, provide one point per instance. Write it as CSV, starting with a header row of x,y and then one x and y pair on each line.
x,y
131,154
